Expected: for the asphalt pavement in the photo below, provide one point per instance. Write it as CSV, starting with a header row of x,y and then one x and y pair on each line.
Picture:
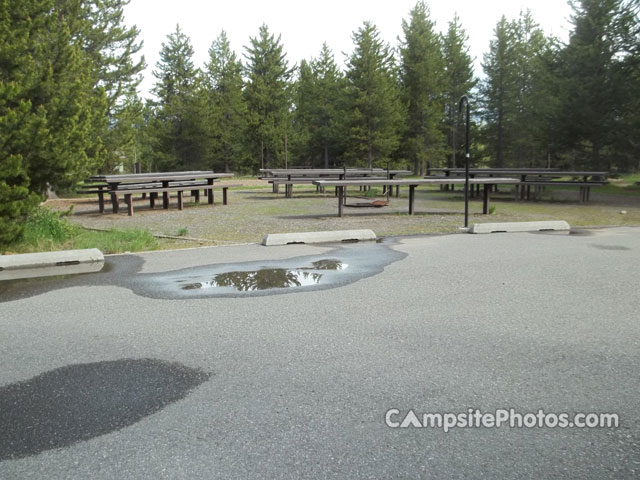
x,y
303,361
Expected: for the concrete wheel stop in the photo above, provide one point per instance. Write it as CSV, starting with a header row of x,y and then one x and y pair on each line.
x,y
547,226
66,262
318,237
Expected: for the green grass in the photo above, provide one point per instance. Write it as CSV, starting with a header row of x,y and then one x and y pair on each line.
x,y
47,230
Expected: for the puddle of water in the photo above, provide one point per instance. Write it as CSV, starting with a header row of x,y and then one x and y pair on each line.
x,y
268,278
301,274
78,402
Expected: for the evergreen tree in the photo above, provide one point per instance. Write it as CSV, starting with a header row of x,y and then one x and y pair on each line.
x,y
375,109
49,108
304,104
227,111
459,81
532,53
178,125
499,90
596,90
422,79
110,46
267,94
320,108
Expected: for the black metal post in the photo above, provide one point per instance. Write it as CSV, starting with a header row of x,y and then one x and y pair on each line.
x,y
465,99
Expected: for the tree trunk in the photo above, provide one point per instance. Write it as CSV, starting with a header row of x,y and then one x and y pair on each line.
x,y
453,143
595,156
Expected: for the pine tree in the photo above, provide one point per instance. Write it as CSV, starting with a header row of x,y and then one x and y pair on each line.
x,y
19,125
227,111
499,91
303,98
267,94
178,125
110,46
320,108
459,81
596,88
422,79
373,96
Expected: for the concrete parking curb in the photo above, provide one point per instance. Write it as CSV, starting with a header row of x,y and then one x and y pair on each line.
x,y
554,225
318,237
64,262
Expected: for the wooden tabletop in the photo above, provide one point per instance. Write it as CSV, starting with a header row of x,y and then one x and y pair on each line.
x,y
414,182
158,177
520,171
331,171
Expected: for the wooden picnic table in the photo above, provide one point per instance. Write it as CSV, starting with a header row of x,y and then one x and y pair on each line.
x,y
536,177
523,173
305,175
166,182
412,184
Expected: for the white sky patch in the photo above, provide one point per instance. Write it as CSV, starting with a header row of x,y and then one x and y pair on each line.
x,y
304,26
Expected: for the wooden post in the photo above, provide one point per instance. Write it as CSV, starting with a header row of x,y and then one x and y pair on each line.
x,y
210,191
100,200
180,200
486,197
129,201
114,202
340,200
224,195
412,195
165,196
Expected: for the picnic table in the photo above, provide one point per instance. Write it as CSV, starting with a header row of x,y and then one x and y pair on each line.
x,y
537,178
299,176
413,184
153,184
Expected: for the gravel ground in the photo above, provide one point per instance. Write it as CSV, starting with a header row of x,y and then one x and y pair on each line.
x,y
253,212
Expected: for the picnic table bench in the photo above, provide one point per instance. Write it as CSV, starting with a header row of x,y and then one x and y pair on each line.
x,y
154,184
413,184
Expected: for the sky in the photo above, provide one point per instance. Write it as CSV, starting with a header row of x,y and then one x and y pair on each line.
x,y
304,25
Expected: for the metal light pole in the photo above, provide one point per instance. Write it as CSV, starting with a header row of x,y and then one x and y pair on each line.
x,y
465,99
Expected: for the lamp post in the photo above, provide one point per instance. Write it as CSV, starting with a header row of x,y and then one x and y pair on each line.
x,y
464,99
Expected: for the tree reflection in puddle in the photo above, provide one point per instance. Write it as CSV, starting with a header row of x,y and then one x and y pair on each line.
x,y
267,278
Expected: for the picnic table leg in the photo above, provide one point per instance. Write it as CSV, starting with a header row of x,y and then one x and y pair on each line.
x,y
397,191
101,201
340,200
180,200
210,191
224,195
152,199
196,195
412,196
486,197
129,201
114,202
165,196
